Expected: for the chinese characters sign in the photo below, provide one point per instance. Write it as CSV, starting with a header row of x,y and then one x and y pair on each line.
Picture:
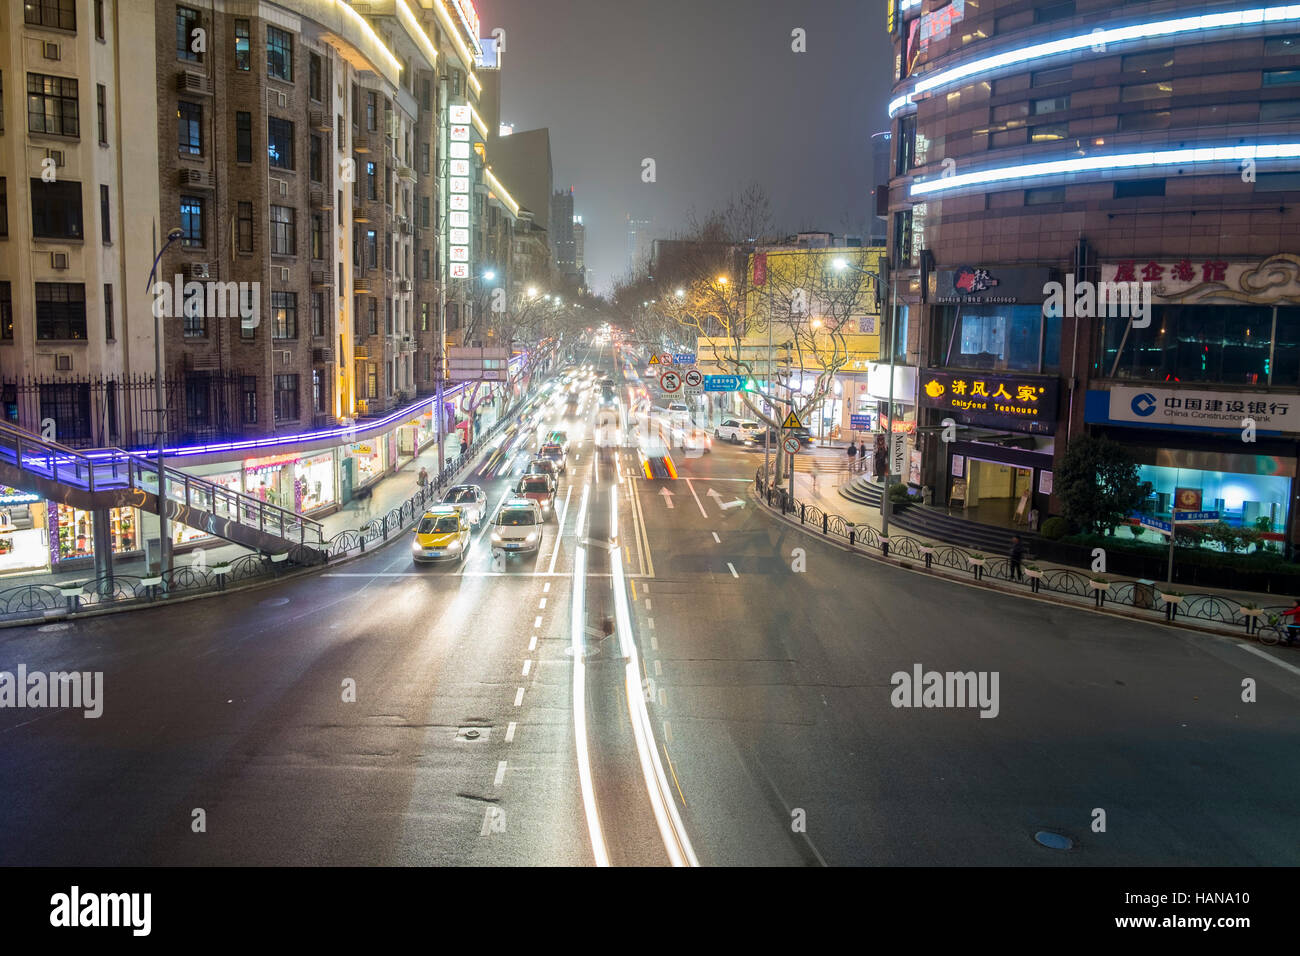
x,y
1213,280
990,284
1190,408
458,192
992,397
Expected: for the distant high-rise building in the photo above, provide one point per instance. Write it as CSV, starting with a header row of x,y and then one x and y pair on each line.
x,y
639,241
562,245
579,245
880,181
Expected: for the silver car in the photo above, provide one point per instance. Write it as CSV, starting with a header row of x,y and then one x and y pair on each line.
x,y
470,500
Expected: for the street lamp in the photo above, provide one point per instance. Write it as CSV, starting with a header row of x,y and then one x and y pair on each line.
x,y
840,265
164,541
489,275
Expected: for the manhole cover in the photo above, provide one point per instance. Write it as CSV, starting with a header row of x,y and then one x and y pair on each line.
x,y
274,602
53,627
1054,841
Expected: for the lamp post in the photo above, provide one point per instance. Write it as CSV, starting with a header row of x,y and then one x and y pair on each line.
x,y
164,541
840,265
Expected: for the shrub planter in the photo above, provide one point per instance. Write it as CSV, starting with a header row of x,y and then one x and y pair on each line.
x,y
1172,599
977,565
221,570
1252,615
72,592
1035,577
1099,588
884,545
927,550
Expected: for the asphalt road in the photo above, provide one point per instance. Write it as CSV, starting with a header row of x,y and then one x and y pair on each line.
x,y
739,713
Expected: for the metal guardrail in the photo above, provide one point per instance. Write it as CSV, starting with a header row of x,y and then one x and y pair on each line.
x,y
115,470
30,602
1140,595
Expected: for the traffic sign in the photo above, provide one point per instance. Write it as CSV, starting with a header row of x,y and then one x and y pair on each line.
x,y
1155,524
861,423
670,381
722,383
694,379
791,444
792,421
683,358
654,359
1195,517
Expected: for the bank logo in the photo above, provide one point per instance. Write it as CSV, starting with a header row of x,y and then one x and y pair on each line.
x,y
1143,404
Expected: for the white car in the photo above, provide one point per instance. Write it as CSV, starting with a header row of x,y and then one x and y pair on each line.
x,y
517,527
469,500
739,430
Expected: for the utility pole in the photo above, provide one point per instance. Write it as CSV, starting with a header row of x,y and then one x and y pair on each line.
x,y
767,432
885,504
439,415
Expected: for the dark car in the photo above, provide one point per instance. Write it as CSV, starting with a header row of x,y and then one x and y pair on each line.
x,y
540,489
780,434
555,452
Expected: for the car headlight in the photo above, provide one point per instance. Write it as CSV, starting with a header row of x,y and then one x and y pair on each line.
x,y
454,546
416,546
496,538
532,537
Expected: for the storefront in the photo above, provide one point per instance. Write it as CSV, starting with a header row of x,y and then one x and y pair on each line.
x,y
368,460
24,538
183,536
71,534
998,463
302,484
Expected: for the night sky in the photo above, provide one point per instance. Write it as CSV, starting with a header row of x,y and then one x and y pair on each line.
x,y
712,91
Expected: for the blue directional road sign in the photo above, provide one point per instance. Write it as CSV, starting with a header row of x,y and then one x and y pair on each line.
x,y
1192,517
722,383
683,358
860,422
1155,524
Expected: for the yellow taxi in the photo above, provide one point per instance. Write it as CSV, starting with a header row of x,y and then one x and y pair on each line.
x,y
442,532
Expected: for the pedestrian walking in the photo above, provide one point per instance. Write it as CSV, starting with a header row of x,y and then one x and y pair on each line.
x,y
862,456
1017,552
853,457
424,478
464,446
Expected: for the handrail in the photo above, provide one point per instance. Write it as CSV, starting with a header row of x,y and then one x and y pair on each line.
x,y
115,468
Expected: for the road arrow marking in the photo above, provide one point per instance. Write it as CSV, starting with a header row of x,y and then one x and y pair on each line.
x,y
668,498
728,505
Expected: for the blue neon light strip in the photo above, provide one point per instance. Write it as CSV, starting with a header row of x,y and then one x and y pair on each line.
x,y
1137,31
252,444
1113,161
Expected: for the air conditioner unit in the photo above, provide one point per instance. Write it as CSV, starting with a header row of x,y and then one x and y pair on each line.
x,y
322,356
404,285
192,81
56,155
50,51
200,270
58,260
320,121
62,362
196,177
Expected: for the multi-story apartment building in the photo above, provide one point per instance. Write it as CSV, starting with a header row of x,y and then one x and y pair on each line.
x,y
1080,142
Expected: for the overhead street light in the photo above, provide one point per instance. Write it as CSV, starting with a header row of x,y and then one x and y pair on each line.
x,y
164,542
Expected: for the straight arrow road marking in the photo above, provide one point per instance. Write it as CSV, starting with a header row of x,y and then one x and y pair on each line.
x,y
668,498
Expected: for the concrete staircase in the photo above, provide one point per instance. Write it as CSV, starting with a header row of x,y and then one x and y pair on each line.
x,y
936,524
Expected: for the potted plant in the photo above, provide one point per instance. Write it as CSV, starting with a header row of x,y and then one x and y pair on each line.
x,y
1172,599
977,564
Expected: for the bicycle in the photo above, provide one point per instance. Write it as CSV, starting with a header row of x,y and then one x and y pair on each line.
x,y
1276,632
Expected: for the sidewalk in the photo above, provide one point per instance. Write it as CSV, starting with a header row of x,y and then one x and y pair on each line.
x,y
822,492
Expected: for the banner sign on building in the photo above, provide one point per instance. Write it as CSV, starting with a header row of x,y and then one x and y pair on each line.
x,y
760,268
1011,285
1275,280
1196,408
458,192
994,398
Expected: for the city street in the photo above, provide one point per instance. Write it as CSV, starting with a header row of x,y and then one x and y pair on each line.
x,y
753,727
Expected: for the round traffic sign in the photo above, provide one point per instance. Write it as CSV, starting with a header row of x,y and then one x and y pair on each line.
x,y
694,379
670,381
791,444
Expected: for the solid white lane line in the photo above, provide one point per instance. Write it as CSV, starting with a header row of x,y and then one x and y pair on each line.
x,y
733,570
519,696
559,532
577,636
1270,658
716,539
510,732
501,773
691,485
528,666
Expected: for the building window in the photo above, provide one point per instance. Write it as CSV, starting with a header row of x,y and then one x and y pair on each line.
x,y
286,398
60,14
317,391
248,386
187,23
99,20
1054,11
284,315
1203,343
4,207
1061,74
60,311
108,312
906,157
284,233
314,160
243,137
372,118
1136,92
52,105
1044,196
189,128
244,227
903,238
317,235
372,314
372,249
279,54
424,212
243,46
318,314
372,192
6,312
192,234
424,158
105,226
1281,77
388,316
424,317
997,338
426,95
1130,188
56,209
1049,132
314,76
279,142
1147,62
1148,119
1051,104
101,112
372,380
